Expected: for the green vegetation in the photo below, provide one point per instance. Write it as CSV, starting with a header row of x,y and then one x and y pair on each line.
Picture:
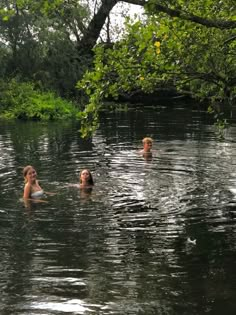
x,y
169,51
22,101
186,45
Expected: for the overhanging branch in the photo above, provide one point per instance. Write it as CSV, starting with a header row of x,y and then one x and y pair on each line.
x,y
155,8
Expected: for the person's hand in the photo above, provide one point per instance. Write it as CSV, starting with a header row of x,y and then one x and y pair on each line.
x,y
50,193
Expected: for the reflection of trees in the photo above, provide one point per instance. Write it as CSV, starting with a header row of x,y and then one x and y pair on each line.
x,y
7,167
50,148
161,121
15,262
186,189
126,244
205,199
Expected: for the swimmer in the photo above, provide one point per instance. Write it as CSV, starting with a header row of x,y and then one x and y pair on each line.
x,y
147,147
86,179
32,189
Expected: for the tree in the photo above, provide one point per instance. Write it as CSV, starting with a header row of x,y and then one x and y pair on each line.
x,y
188,45
52,42
41,40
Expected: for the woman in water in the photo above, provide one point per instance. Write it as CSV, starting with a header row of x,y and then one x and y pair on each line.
x,y
86,179
32,189
86,184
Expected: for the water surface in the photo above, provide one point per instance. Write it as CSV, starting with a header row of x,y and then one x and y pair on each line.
x,y
124,247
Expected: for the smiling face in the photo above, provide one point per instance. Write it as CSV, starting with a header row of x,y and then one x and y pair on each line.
x,y
30,174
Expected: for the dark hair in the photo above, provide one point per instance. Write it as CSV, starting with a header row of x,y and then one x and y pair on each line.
x,y
90,180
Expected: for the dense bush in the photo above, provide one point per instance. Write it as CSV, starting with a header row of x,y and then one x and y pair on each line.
x,y
22,101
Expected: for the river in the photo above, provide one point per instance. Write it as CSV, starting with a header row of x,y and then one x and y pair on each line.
x,y
154,236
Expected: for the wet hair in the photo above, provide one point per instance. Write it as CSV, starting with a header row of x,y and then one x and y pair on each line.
x,y
147,139
26,170
90,180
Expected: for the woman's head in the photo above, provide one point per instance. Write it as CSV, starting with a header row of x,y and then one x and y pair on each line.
x,y
29,171
86,177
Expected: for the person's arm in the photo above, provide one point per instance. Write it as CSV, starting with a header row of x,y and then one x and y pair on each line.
x,y
49,193
27,191
46,192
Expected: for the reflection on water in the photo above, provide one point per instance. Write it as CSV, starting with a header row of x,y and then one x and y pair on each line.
x,y
123,247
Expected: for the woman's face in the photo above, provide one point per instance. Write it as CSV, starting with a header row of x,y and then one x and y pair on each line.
x,y
85,176
31,175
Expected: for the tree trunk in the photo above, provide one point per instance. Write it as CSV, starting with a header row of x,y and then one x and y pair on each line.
x,y
93,31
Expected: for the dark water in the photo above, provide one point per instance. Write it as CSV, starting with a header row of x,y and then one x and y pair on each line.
x,y
122,248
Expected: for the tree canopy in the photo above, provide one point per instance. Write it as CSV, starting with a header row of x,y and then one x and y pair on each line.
x,y
187,45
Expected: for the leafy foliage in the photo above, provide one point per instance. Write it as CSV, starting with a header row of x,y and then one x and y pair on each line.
x,y
40,43
165,51
185,44
22,101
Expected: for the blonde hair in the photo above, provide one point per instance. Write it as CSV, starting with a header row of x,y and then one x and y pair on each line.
x,y
147,139
26,170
